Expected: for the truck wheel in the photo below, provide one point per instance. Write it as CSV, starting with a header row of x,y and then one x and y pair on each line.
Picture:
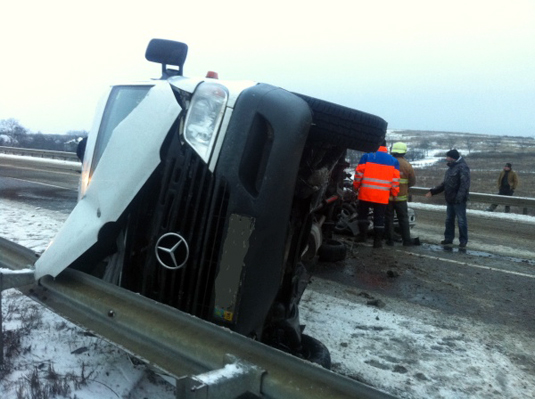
x,y
315,351
332,251
345,127
349,209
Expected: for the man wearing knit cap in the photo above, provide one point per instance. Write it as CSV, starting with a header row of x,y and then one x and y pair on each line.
x,y
507,184
455,186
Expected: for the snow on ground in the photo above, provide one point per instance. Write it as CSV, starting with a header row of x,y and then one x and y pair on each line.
x,y
28,226
414,352
57,358
48,161
68,361
409,351
503,250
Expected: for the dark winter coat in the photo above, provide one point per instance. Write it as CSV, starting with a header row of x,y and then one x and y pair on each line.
x,y
456,184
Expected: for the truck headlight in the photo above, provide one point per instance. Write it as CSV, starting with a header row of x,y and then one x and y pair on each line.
x,y
204,117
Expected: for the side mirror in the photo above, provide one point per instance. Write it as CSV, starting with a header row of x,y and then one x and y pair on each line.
x,y
167,52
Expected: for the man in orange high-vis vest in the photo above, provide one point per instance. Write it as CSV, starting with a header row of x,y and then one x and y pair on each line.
x,y
376,180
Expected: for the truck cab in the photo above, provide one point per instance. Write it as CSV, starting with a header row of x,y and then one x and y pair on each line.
x,y
212,197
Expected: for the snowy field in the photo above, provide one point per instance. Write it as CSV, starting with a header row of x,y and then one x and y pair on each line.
x,y
408,351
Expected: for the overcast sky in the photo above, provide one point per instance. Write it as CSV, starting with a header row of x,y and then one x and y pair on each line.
x,y
456,65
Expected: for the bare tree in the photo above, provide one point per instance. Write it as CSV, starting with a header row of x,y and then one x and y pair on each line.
x,y
525,143
425,145
448,140
469,141
494,143
13,129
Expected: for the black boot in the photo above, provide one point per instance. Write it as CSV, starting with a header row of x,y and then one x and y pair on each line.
x,y
388,238
378,238
363,231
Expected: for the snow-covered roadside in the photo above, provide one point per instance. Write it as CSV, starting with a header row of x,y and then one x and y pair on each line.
x,y
53,354
28,226
45,354
409,351
480,241
74,165
415,352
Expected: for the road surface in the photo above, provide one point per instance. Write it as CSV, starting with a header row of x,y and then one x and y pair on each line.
x,y
41,183
490,283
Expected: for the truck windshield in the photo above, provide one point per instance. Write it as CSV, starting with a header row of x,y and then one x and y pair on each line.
x,y
121,102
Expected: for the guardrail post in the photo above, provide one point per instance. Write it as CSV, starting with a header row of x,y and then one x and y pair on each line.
x,y
524,203
233,380
1,323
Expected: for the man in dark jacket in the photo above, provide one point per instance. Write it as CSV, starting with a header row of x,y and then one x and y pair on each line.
x,y
455,186
507,184
80,149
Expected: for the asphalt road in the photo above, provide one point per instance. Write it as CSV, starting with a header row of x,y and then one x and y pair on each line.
x,y
491,288
496,271
48,185
492,232
491,281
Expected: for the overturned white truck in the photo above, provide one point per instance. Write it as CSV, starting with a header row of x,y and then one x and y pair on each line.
x,y
211,197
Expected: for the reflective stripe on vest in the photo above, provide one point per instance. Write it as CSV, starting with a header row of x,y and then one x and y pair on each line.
x,y
377,177
382,188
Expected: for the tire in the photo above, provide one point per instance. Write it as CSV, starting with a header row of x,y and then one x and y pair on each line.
x,y
332,251
315,351
345,127
349,209
342,230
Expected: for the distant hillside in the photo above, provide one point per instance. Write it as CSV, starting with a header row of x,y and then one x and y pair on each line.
x,y
466,143
485,154
425,144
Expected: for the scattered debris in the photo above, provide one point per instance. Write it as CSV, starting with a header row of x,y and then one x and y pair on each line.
x,y
376,302
80,350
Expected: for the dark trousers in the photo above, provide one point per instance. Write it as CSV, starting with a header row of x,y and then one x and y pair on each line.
x,y
503,191
379,211
402,211
456,211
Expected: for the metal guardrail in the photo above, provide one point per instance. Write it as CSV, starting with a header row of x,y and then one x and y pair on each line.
x,y
207,361
65,155
522,202
14,256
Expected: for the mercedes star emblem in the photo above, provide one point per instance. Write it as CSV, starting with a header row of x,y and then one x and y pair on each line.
x,y
172,251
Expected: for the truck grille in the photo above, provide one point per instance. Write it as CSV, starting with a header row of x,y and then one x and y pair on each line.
x,y
192,203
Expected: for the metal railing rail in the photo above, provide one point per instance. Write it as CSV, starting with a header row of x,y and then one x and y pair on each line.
x,y
65,155
187,348
522,202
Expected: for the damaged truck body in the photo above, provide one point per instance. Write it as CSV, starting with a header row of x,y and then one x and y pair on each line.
x,y
212,197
